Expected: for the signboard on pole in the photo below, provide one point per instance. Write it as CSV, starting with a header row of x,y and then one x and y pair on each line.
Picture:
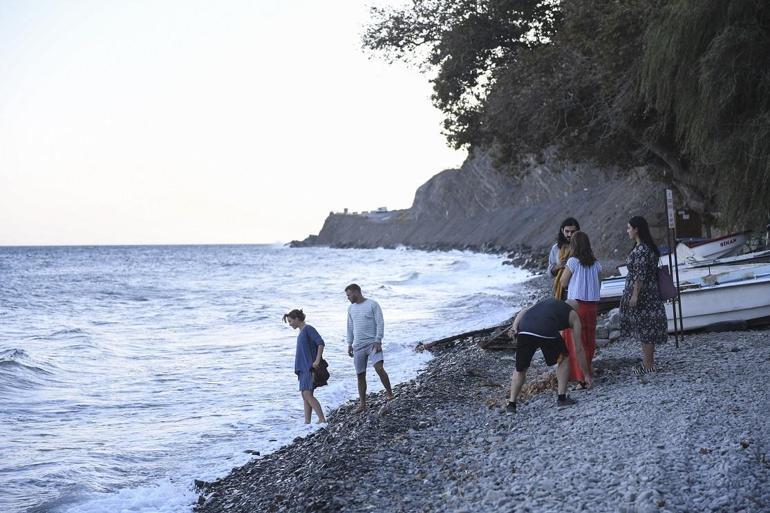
x,y
670,209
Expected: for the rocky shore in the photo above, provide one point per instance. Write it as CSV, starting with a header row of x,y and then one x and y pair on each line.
x,y
693,437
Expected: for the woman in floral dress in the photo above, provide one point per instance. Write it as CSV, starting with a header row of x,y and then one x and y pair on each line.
x,y
642,315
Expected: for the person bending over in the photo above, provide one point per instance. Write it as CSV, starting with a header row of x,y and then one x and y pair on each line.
x,y
538,327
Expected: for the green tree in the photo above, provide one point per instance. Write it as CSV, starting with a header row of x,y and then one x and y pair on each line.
x,y
705,75
680,83
462,42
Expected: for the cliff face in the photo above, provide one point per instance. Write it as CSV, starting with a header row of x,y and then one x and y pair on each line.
x,y
476,207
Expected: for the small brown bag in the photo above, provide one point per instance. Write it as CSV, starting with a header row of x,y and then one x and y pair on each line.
x,y
321,374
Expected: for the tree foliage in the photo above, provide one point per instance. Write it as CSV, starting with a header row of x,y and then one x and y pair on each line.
x,y
463,41
705,73
683,83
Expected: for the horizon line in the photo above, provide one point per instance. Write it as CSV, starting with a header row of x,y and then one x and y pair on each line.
x,y
159,244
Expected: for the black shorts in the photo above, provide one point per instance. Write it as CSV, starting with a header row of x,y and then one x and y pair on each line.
x,y
526,345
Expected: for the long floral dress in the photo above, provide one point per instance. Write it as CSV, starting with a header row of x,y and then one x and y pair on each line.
x,y
646,322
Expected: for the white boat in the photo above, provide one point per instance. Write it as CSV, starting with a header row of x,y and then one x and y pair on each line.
x,y
745,258
612,288
739,298
686,258
710,249
697,283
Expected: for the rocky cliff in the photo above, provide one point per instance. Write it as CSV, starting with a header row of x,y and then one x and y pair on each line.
x,y
478,208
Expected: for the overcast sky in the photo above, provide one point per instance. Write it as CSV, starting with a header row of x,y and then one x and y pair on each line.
x,y
181,121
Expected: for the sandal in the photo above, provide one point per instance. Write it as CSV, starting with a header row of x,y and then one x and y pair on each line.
x,y
641,369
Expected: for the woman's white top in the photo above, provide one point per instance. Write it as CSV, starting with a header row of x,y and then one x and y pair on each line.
x,y
584,283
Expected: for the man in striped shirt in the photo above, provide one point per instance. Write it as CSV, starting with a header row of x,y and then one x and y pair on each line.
x,y
366,328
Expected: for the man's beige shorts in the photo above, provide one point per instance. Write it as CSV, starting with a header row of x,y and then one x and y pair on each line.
x,y
363,355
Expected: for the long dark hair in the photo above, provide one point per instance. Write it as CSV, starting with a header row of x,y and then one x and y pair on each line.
x,y
580,248
643,229
561,240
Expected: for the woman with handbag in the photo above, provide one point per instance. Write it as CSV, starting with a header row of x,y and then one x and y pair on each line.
x,y
642,314
580,277
310,348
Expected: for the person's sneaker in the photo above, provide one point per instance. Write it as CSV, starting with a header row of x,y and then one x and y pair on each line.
x,y
510,407
567,401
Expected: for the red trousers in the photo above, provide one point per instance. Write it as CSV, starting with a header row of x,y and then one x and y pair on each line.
x,y
587,313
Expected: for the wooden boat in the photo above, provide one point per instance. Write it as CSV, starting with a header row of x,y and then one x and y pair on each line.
x,y
741,296
709,294
745,258
700,250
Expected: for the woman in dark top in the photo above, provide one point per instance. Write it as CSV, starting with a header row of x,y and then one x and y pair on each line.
x,y
310,348
642,314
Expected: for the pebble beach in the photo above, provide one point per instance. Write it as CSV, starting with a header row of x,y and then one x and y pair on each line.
x,y
694,436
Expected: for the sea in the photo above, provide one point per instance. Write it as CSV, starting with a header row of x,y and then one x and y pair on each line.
x,y
128,372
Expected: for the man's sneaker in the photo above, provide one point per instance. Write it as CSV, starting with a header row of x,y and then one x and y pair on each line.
x,y
567,401
510,407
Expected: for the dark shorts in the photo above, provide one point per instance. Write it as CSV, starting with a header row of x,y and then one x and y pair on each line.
x,y
526,345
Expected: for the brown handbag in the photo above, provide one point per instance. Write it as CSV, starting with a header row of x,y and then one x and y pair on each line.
x,y
321,374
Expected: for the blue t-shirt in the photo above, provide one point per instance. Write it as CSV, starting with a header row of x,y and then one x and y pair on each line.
x,y
308,341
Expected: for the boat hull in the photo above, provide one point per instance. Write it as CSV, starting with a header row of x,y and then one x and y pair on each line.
x,y
744,300
711,249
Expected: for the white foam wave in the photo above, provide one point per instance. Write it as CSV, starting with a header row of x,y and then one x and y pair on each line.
x,y
165,496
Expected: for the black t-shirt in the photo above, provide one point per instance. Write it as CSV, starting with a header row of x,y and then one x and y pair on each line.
x,y
546,318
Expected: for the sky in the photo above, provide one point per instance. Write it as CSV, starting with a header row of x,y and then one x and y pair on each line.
x,y
202,122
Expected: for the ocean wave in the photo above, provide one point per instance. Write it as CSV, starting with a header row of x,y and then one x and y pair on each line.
x,y
411,277
67,332
247,317
19,359
122,295
19,371
478,300
206,337
165,496
458,265
12,354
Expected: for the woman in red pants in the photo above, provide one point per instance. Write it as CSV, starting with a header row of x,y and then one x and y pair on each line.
x,y
581,278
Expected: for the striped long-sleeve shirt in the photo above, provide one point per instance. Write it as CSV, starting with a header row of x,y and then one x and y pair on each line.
x,y
366,325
